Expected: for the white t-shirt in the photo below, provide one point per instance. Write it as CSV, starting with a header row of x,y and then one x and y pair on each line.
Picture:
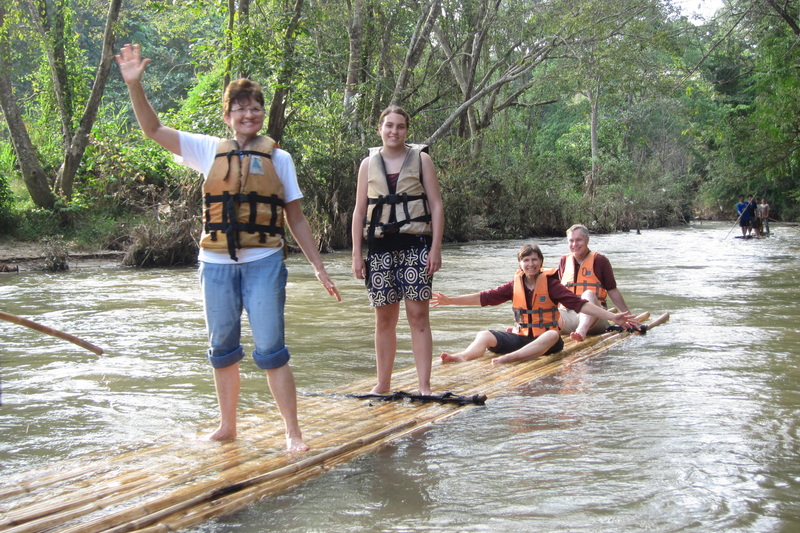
x,y
198,152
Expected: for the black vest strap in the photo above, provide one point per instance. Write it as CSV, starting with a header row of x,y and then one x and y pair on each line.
x,y
392,200
230,225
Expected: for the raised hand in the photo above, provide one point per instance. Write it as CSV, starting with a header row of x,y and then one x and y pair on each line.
x,y
131,64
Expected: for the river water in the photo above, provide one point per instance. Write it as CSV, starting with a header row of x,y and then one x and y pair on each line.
x,y
693,426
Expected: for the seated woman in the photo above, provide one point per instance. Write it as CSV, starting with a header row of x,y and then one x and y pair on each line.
x,y
535,294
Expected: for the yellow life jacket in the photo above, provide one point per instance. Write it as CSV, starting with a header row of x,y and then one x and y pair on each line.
x,y
542,314
586,278
405,211
243,199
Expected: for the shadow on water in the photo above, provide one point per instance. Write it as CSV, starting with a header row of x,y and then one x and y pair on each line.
x,y
691,427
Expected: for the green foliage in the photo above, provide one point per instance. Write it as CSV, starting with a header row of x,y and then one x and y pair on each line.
x,y
326,156
120,170
671,142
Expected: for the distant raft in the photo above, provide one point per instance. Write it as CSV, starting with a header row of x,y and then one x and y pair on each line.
x,y
167,487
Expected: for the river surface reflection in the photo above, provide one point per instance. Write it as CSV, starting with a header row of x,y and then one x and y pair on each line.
x,y
691,427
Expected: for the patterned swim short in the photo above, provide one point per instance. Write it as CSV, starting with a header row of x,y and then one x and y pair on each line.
x,y
398,275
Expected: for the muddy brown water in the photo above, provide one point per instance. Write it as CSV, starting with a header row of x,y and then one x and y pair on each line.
x,y
691,427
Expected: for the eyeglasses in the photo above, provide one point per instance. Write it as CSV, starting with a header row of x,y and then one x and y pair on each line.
x,y
252,110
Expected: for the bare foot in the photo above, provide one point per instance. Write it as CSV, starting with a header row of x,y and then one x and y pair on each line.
x,y
295,444
577,337
376,390
498,361
447,358
223,434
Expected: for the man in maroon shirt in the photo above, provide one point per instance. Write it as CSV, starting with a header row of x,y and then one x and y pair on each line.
x,y
589,275
518,346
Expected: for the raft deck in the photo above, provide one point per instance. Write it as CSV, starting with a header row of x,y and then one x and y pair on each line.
x,y
166,487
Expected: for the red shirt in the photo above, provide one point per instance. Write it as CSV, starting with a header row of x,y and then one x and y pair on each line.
x,y
558,293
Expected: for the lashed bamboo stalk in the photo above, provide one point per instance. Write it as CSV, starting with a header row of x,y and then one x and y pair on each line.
x,y
365,415
156,512
69,507
238,501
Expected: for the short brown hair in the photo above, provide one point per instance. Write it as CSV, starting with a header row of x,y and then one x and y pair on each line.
x,y
394,109
239,91
529,249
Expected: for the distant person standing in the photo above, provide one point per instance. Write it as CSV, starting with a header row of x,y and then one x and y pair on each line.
x,y
763,211
744,216
751,210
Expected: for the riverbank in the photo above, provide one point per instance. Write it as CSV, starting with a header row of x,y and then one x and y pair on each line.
x,y
19,256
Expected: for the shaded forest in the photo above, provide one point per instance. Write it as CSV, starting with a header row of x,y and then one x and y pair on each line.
x,y
620,114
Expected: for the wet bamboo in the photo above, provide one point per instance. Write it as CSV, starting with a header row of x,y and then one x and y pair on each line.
x,y
367,415
62,511
335,460
156,514
236,502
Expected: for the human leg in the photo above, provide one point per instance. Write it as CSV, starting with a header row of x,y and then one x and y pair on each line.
x,y
418,315
222,307
569,320
541,345
227,385
483,341
282,385
386,317
264,296
585,321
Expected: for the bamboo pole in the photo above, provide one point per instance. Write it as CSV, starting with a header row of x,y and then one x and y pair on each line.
x,y
50,331
339,433
205,495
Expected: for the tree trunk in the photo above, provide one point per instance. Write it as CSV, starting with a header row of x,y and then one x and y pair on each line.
x,y
73,153
32,172
419,39
280,97
355,33
593,121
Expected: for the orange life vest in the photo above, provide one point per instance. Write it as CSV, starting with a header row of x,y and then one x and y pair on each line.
x,y
243,199
586,278
542,314
405,211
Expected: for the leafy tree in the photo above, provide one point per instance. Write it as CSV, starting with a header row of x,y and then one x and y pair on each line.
x,y
52,24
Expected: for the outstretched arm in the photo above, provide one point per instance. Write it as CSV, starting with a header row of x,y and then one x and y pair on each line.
x,y
624,319
467,299
298,225
132,67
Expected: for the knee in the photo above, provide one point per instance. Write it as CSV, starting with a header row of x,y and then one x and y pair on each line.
x,y
418,314
590,297
486,338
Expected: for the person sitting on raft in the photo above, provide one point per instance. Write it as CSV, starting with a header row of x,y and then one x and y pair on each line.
x,y
535,294
589,275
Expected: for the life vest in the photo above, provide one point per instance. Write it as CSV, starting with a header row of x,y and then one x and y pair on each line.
x,y
542,314
243,199
404,211
586,278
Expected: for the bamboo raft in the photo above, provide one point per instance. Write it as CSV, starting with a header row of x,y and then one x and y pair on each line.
x,y
167,487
